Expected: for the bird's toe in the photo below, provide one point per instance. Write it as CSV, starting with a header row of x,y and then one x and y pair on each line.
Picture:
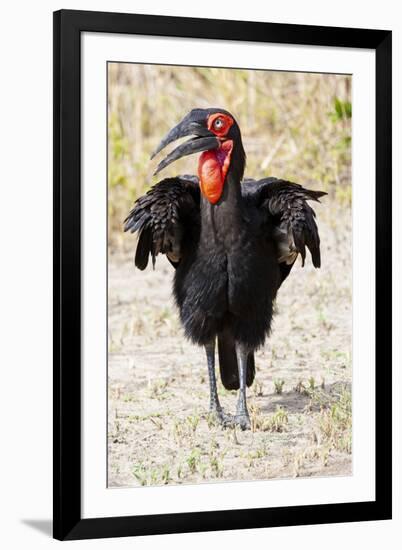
x,y
224,419
243,420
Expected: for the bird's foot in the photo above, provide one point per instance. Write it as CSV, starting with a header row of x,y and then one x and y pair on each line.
x,y
224,419
243,420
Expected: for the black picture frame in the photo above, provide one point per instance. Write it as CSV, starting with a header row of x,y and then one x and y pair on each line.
x,y
68,26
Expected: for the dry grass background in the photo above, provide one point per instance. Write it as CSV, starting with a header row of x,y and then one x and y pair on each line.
x,y
295,126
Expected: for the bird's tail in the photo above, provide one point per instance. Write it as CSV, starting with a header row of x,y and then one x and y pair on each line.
x,y
228,362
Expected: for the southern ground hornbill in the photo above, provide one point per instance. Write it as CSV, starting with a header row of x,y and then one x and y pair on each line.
x,y
232,243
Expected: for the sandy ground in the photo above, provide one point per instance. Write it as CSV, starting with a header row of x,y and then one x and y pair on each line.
x,y
159,428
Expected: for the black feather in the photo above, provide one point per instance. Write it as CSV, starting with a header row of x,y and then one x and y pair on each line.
x,y
143,249
159,215
228,367
287,203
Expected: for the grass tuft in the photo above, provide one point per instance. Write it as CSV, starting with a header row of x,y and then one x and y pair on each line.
x,y
279,384
336,423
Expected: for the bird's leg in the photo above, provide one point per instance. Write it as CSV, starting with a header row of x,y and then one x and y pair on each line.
x,y
242,417
214,405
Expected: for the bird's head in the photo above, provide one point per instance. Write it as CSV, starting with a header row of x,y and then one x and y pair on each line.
x,y
217,136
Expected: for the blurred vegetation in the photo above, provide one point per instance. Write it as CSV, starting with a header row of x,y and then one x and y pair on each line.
x,y
295,126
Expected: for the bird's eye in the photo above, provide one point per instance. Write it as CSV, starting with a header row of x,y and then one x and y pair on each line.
x,y
218,124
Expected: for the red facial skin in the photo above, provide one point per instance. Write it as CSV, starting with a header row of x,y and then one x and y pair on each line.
x,y
213,165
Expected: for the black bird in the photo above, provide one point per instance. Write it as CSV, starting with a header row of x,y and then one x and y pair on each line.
x,y
232,243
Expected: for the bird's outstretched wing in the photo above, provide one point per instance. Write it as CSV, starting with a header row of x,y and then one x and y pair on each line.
x,y
294,226
166,214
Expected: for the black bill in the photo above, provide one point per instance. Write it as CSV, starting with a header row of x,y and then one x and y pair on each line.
x,y
193,124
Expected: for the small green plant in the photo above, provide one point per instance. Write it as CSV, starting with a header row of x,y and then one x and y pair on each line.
x,y
216,465
277,421
256,417
336,423
154,475
216,459
193,421
193,460
179,431
140,473
342,110
157,389
143,417
211,420
127,397
260,452
203,468
258,389
278,384
300,387
165,475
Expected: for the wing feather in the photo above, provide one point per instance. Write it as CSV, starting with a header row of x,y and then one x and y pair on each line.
x,y
161,216
295,228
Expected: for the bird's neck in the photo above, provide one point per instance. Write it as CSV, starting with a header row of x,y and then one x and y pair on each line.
x,y
220,222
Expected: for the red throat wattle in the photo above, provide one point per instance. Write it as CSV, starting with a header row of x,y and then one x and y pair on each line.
x,y
212,169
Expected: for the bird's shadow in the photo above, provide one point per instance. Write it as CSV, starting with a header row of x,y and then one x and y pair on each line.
x,y
296,402
42,525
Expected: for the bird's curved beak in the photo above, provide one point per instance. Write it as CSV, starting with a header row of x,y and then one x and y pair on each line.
x,y
192,124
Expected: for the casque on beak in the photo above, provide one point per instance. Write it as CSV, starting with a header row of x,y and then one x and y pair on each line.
x,y
193,124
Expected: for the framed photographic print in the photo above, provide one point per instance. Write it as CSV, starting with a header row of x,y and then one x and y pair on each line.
x,y
222,274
